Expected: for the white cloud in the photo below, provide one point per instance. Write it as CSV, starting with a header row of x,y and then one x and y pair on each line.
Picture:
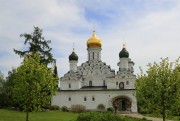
x,y
151,32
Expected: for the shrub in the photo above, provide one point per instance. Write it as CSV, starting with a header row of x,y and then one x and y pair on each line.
x,y
51,107
48,107
144,118
143,111
101,107
110,109
64,109
55,107
78,108
95,116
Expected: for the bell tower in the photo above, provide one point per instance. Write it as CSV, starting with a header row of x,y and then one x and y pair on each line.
x,y
94,48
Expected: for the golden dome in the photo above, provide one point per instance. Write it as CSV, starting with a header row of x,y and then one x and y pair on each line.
x,y
94,42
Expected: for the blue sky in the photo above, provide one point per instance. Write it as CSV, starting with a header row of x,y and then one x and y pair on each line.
x,y
150,29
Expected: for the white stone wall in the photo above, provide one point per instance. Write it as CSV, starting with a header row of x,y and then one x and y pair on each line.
x,y
113,83
96,81
70,85
101,97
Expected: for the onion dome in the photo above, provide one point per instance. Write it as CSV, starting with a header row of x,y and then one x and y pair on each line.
x,y
73,56
124,53
94,41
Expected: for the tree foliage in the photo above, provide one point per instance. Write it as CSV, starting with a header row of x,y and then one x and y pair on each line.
x,y
34,84
2,92
158,91
2,80
106,116
38,45
8,86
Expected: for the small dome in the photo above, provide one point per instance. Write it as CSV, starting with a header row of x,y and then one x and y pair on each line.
x,y
94,42
124,53
73,56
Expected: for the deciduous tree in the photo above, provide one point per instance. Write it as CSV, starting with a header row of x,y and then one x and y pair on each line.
x,y
34,84
8,86
2,82
158,89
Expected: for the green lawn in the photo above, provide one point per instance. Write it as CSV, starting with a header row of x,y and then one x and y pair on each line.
x,y
9,115
174,118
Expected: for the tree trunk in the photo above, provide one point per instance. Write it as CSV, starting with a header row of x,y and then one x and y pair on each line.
x,y
27,115
163,100
163,107
163,113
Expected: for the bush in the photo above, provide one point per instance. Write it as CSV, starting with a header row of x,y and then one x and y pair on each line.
x,y
47,107
64,109
110,109
95,116
55,107
144,118
78,108
101,107
52,107
143,111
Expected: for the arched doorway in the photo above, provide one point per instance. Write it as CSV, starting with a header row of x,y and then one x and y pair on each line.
x,y
123,104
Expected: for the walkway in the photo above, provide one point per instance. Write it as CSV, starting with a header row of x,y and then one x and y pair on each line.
x,y
136,115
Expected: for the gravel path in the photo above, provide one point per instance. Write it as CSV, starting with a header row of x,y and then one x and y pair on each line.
x,y
141,116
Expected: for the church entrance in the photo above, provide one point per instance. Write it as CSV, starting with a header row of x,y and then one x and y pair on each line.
x,y
122,104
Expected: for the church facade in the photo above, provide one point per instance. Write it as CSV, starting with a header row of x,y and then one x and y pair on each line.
x,y
94,82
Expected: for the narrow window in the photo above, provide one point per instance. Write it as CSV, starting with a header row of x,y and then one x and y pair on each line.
x,y
69,98
90,83
104,84
85,99
93,99
127,82
93,55
69,85
116,83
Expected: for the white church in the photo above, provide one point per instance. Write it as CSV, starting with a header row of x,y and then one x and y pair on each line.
x,y
93,82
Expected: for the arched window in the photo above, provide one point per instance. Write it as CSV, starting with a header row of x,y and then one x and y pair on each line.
x,y
127,82
116,83
90,83
69,98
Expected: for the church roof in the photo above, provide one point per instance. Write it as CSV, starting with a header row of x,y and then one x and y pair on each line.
x,y
94,41
124,53
73,56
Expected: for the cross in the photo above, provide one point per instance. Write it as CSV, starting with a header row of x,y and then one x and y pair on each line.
x,y
73,46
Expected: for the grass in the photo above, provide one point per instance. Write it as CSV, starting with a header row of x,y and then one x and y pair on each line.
x,y
10,115
174,118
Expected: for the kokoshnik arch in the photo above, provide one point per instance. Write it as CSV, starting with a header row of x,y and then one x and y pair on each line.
x,y
93,82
